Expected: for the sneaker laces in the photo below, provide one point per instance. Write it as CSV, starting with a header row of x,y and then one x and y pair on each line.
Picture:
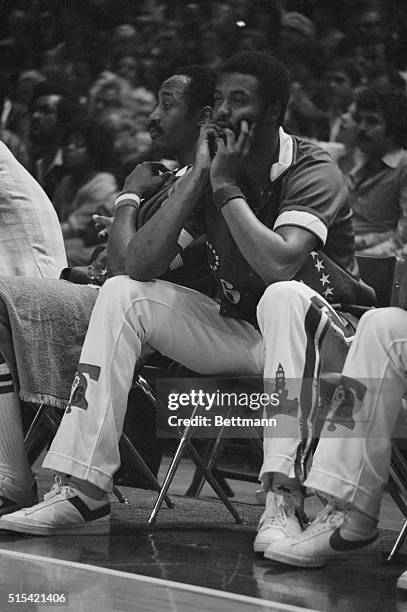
x,y
281,508
58,488
333,515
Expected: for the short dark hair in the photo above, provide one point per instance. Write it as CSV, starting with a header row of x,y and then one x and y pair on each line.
x,y
201,86
98,138
392,103
272,75
67,106
348,67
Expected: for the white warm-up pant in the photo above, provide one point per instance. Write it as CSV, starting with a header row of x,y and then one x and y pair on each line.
x,y
296,326
353,464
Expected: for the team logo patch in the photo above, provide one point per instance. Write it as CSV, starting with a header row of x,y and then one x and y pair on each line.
x,y
80,384
230,293
285,405
346,403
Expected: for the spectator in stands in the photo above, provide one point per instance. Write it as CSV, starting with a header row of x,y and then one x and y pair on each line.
x,y
109,92
385,76
50,112
341,79
88,188
126,66
378,182
10,138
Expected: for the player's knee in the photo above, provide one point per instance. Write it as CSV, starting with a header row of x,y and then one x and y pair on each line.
x,y
389,321
281,293
123,287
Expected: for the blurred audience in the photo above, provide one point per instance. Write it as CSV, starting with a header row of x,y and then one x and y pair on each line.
x,y
50,111
104,61
88,187
378,182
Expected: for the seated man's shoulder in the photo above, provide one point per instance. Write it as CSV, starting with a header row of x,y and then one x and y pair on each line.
x,y
312,164
307,151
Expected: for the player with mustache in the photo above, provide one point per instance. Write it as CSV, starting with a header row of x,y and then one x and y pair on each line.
x,y
280,246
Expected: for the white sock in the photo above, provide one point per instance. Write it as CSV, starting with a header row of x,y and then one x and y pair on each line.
x,y
13,461
358,526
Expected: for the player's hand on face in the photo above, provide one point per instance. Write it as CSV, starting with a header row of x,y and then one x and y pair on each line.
x,y
228,162
102,225
147,178
206,145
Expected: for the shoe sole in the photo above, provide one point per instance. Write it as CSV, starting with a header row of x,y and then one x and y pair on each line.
x,y
96,527
259,547
348,556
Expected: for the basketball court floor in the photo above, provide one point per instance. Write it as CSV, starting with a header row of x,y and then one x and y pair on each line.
x,y
196,558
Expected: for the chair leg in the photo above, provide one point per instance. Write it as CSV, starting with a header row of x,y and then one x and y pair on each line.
x,y
214,483
122,498
50,417
211,460
168,478
38,430
143,467
398,543
34,423
185,443
397,478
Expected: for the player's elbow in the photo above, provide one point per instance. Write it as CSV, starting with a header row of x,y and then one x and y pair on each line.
x,y
140,273
279,271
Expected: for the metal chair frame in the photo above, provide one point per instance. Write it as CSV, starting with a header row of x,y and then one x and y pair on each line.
x,y
51,417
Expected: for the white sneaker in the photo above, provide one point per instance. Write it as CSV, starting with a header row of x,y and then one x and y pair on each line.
x,y
322,542
65,510
278,521
13,498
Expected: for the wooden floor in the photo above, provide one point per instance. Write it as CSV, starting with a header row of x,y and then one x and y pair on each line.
x,y
76,586
189,568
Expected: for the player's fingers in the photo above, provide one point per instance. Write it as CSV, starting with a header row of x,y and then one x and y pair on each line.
x,y
249,140
230,139
243,136
102,220
220,145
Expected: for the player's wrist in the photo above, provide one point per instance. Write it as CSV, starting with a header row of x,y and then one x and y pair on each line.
x,y
128,199
225,193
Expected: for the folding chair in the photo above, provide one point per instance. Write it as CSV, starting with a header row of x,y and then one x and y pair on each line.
x,y
43,428
185,444
384,275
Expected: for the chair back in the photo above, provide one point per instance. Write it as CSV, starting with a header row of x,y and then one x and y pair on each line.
x,y
381,273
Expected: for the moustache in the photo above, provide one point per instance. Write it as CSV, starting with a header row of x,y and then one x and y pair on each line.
x,y
155,127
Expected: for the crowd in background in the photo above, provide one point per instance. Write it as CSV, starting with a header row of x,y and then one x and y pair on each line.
x,y
79,78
